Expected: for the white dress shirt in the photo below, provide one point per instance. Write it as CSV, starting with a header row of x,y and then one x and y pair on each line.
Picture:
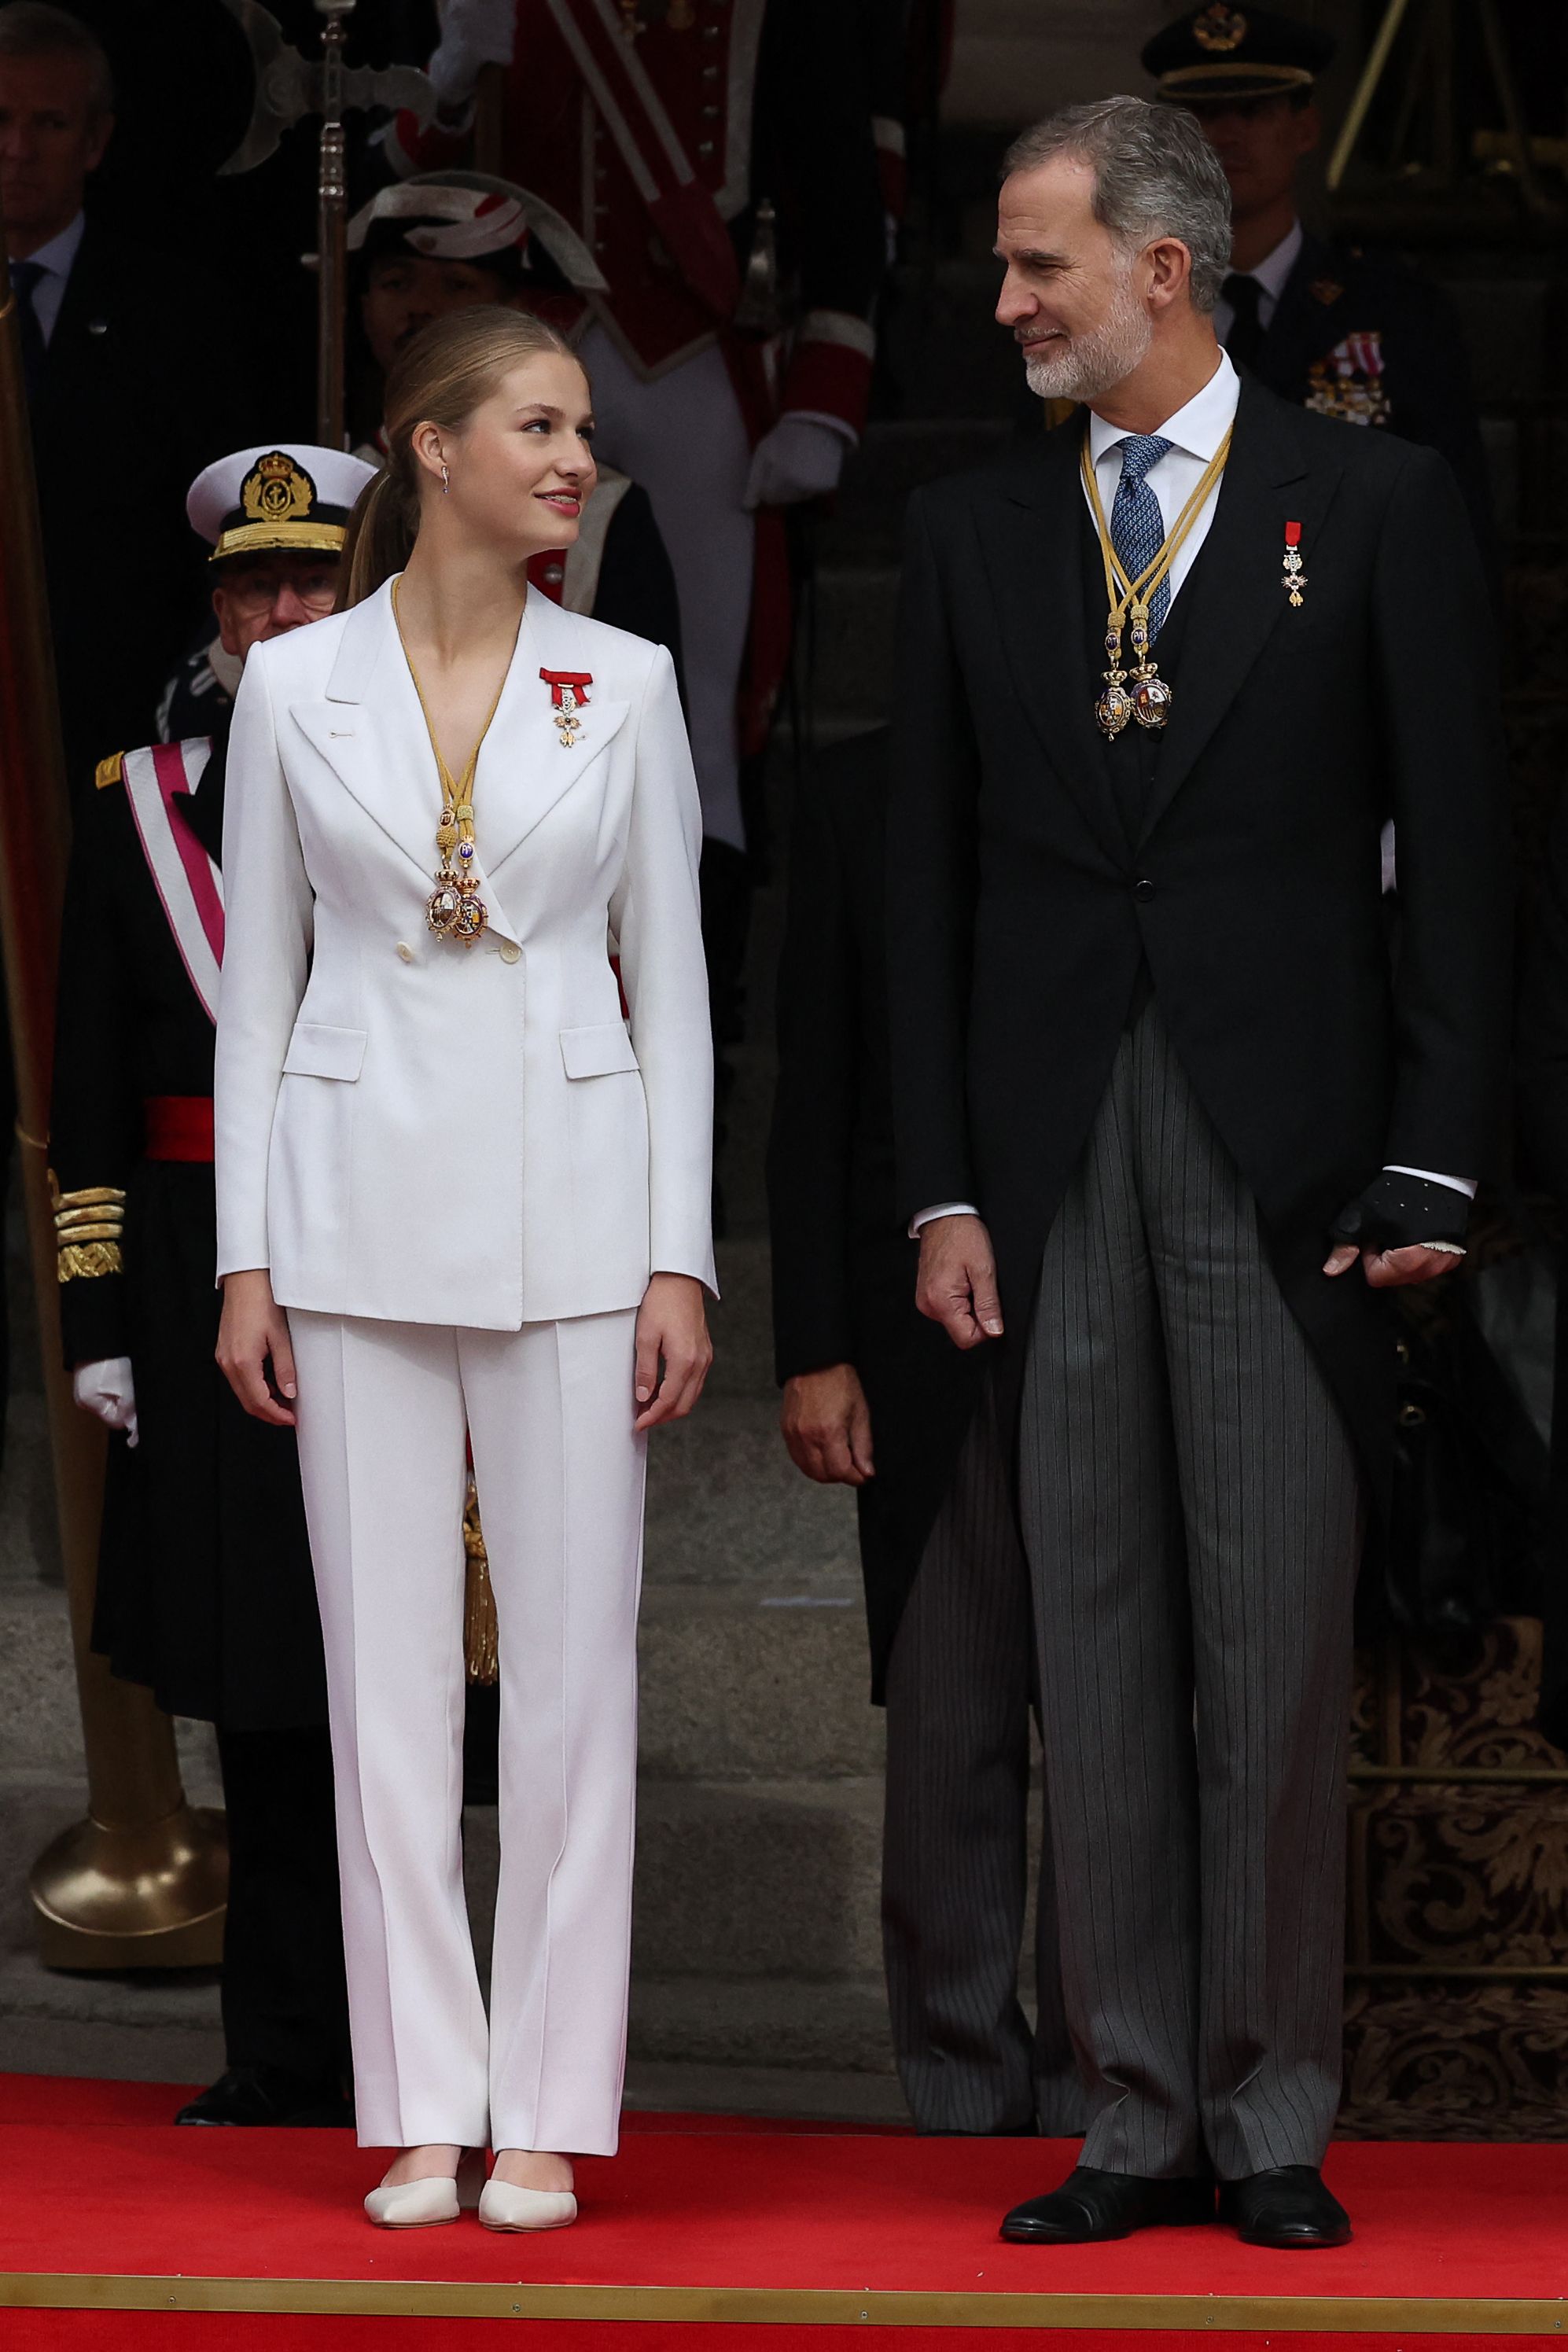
x,y
1194,433
55,260
1270,273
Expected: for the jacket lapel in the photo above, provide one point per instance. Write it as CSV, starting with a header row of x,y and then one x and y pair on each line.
x,y
371,732
1033,547
523,768
1237,602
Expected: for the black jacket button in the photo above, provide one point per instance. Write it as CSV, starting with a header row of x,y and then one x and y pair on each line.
x,y
1143,889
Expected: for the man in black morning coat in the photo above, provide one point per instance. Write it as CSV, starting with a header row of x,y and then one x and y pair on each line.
x,y
1148,1057
876,1399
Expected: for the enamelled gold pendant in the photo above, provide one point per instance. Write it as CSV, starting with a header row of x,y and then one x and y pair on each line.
x,y
454,911
1140,693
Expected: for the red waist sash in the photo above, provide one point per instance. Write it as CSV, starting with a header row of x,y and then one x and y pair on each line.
x,y
179,1126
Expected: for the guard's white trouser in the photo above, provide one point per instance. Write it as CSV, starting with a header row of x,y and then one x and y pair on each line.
x,y
683,437
382,1412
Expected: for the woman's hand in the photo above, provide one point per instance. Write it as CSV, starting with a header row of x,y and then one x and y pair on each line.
x,y
671,1324
253,1327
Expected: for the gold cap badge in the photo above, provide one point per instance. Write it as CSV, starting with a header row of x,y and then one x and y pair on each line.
x,y
1219,29
276,490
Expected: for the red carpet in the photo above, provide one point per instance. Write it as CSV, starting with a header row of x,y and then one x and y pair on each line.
x,y
117,2231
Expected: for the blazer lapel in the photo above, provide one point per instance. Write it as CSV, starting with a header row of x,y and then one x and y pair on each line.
x,y
1033,547
1237,602
371,732
524,767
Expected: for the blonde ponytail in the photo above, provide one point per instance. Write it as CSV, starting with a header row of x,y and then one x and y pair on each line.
x,y
451,367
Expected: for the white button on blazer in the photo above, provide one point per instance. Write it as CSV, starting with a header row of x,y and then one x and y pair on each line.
x,y
469,1135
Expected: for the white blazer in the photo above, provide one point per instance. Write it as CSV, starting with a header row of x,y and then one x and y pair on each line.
x,y
431,1133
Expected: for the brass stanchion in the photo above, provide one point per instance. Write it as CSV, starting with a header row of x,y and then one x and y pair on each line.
x,y
140,1882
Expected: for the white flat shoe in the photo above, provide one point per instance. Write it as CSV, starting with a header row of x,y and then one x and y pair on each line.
x,y
420,2204
502,2207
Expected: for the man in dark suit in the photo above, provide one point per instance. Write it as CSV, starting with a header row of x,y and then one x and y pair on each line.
x,y
125,401
874,1398
1350,334
1148,1056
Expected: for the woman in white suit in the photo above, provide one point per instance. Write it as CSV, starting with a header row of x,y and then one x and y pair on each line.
x,y
459,1190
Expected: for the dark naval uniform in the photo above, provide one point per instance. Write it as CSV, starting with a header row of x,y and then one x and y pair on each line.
x,y
205,1593
1349,334
205,1584
1360,336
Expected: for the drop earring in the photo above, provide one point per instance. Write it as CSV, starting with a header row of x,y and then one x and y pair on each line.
x,y
445,481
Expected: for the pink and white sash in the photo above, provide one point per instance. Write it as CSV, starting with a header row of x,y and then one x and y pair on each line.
x,y
188,882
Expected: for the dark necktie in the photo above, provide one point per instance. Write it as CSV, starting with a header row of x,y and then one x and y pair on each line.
x,y
1245,340
1137,526
26,276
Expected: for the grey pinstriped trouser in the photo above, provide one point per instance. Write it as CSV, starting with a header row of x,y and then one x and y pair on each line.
x,y
1189,1504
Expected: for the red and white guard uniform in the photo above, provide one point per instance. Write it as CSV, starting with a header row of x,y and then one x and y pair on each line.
x,y
658,129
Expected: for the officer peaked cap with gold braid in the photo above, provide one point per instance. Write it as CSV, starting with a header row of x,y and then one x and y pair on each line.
x,y
292,497
1221,51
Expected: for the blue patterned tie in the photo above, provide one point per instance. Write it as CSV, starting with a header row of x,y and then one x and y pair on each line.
x,y
1137,526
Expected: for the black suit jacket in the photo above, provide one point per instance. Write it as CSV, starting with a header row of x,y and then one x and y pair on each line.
x,y
843,1264
1021,915
146,380
1336,294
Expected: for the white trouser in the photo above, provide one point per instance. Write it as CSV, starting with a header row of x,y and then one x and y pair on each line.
x,y
683,437
382,1408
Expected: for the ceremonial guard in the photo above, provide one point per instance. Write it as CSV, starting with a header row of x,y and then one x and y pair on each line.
x,y
720,159
205,1585
1347,333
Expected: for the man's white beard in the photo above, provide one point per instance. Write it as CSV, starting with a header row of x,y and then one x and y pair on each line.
x,y
1088,365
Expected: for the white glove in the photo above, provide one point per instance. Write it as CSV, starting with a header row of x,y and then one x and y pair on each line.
x,y
108,1390
474,33
802,457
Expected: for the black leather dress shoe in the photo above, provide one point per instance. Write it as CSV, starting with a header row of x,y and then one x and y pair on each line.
x,y
1091,2205
266,2094
1288,2207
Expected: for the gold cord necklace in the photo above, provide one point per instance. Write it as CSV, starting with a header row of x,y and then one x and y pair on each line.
x,y
1150,699
453,910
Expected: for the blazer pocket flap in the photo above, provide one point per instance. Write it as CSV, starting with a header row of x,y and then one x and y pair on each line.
x,y
598,1051
316,1050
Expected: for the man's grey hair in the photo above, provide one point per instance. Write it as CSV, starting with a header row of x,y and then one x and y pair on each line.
x,y
1155,174
32,28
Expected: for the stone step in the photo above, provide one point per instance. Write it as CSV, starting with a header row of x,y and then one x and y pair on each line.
x,y
725,1504
778,2022
739,1686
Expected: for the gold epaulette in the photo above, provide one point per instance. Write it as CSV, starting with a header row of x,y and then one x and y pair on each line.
x,y
90,1226
111,770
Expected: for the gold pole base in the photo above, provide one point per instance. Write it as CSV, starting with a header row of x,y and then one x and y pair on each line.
x,y
148,1897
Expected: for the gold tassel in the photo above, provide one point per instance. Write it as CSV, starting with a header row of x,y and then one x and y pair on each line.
x,y
481,1641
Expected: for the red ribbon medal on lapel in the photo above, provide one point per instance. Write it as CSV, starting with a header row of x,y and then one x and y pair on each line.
x,y
1294,579
568,694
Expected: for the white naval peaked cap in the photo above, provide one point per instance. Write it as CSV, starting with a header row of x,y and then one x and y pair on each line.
x,y
288,495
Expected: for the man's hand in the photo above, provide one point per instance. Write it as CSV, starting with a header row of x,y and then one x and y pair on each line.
x,y
672,1326
108,1390
826,1426
252,1328
956,1283
1393,1269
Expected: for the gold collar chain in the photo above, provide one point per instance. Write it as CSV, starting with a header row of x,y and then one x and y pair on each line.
x,y
1126,599
453,910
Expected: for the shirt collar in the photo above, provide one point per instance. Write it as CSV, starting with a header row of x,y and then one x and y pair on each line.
x,y
1198,428
1274,268
56,257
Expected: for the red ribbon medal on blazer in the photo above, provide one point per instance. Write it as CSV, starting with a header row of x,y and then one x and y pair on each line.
x,y
568,694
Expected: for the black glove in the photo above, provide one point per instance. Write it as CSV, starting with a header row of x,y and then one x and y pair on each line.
x,y
1399,1211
